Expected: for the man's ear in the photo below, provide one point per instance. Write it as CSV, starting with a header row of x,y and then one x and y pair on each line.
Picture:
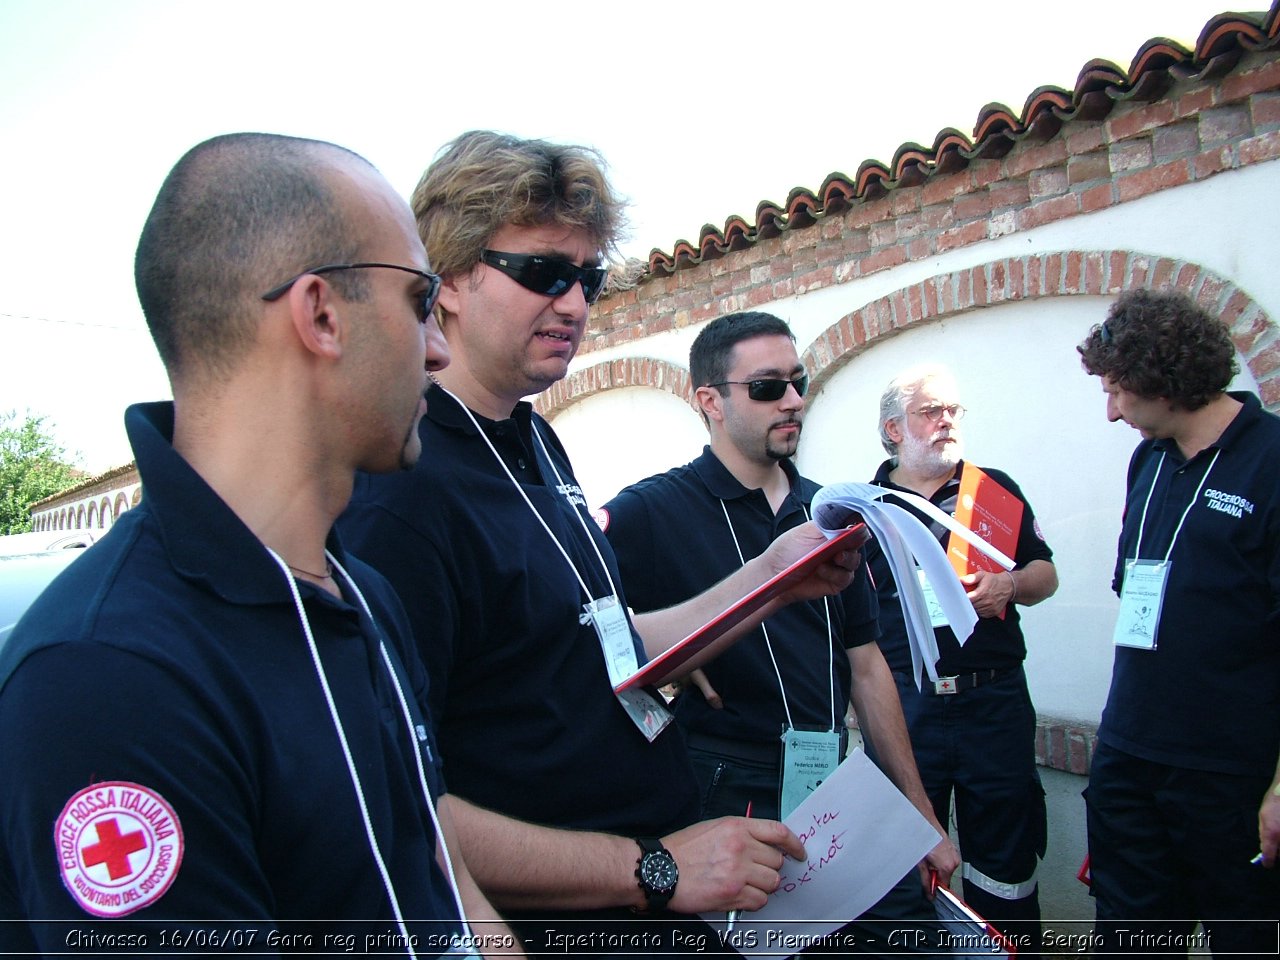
x,y
318,316
451,294
709,403
893,430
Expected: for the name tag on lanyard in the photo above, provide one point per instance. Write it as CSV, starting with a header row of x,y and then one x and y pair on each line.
x,y
937,617
1141,601
808,758
647,712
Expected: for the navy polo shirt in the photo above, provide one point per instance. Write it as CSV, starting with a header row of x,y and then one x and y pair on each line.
x,y
527,716
167,673
995,644
673,542
1208,696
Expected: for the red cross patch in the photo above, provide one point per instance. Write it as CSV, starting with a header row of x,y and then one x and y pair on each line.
x,y
119,847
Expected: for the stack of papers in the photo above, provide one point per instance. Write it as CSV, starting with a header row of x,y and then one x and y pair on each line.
x,y
907,544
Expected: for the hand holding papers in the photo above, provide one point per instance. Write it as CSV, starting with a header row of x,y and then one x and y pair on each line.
x,y
861,836
906,543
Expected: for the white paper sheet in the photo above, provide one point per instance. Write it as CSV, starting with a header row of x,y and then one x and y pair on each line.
x,y
861,835
906,542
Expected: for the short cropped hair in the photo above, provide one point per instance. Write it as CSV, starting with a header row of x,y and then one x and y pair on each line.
x,y
893,402
483,181
1161,343
712,352
237,215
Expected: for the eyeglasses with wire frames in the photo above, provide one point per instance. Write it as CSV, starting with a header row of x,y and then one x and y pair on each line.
x,y
934,411
549,276
769,389
426,300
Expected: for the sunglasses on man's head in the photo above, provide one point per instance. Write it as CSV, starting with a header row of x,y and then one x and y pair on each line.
x,y
768,390
549,276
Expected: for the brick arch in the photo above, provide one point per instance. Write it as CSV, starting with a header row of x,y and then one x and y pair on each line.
x,y
612,375
79,524
91,518
137,496
121,505
1039,275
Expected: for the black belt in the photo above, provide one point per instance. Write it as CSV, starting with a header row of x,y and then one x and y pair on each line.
x,y
753,751
947,686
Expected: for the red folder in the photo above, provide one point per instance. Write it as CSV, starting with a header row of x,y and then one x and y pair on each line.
x,y
851,538
967,931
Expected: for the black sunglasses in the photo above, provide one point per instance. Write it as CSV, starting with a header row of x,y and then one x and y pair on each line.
x,y
549,276
426,299
767,390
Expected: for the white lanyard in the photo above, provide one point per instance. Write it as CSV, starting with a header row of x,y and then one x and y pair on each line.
x,y
608,619
520,490
777,672
351,767
1137,549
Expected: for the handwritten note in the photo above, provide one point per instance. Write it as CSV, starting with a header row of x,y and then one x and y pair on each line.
x,y
861,836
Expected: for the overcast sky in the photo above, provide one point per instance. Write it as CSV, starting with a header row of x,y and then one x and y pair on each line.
x,y
701,109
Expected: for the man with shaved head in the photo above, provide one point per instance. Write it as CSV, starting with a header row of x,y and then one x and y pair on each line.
x,y
212,724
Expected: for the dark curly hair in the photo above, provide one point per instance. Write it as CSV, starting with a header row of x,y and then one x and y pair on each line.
x,y
1161,343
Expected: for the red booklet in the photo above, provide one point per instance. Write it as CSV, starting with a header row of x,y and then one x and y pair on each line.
x,y
851,538
990,511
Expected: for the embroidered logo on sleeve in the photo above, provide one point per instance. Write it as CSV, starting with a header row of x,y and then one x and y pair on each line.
x,y
119,847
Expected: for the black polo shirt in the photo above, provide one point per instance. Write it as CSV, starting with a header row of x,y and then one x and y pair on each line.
x,y
527,717
170,658
673,542
995,644
1208,696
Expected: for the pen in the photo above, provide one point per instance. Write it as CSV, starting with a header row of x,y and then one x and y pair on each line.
x,y
732,917
1257,860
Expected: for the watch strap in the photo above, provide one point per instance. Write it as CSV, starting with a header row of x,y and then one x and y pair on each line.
x,y
655,898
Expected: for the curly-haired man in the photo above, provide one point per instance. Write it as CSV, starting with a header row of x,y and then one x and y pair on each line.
x,y
1184,797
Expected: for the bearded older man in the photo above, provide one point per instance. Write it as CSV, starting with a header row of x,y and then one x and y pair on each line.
x,y
973,730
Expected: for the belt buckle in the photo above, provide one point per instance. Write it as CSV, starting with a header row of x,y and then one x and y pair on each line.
x,y
945,685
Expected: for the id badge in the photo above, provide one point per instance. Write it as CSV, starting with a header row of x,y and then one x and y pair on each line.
x,y
647,712
936,617
1140,603
610,620
808,758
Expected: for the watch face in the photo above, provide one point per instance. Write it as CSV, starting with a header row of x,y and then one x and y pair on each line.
x,y
658,871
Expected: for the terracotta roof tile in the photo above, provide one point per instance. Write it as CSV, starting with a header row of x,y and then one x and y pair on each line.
x,y
1100,85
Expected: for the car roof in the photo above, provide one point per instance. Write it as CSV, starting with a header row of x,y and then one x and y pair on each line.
x,y
23,577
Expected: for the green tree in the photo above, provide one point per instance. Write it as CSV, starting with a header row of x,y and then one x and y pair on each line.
x,y
32,466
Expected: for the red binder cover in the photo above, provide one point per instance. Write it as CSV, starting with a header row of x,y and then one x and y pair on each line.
x,y
851,538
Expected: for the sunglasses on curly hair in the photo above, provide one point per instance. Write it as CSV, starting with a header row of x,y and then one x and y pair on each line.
x,y
549,276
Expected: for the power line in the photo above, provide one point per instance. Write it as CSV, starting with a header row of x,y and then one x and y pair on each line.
x,y
72,323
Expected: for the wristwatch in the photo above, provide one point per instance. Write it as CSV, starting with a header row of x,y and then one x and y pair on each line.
x,y
656,872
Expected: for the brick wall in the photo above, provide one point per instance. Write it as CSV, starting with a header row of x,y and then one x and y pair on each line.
x,y
1195,130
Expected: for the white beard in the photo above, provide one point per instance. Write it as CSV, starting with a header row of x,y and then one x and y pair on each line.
x,y
921,457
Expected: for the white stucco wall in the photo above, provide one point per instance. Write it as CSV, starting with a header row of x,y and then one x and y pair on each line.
x,y
1034,413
